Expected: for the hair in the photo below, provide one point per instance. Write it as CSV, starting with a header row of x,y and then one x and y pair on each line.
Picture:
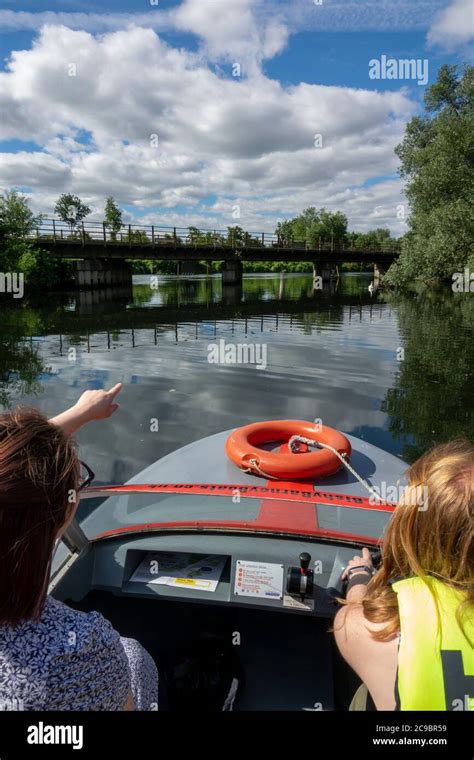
x,y
39,469
430,534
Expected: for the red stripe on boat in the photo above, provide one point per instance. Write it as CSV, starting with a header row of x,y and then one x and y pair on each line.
x,y
291,492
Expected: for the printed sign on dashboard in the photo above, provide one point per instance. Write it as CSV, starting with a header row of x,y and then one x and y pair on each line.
x,y
262,579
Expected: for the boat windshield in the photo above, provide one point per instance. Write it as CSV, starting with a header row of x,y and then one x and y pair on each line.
x,y
138,511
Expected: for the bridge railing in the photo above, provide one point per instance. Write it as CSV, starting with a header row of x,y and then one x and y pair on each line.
x,y
153,236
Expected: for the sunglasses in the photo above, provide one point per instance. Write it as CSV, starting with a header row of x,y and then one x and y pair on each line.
x,y
86,477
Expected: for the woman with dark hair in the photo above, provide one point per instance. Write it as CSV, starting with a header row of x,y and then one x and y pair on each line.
x,y
408,629
51,656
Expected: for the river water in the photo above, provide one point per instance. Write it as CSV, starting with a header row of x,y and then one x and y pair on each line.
x,y
393,370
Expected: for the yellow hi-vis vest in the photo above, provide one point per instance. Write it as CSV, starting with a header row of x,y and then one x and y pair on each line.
x,y
435,660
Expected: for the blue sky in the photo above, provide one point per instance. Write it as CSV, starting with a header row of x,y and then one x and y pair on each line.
x,y
230,149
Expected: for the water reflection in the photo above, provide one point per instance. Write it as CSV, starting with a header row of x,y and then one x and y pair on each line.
x,y
432,397
333,354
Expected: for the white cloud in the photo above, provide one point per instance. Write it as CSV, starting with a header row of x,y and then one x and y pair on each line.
x,y
93,22
232,32
37,170
453,26
355,15
298,15
249,141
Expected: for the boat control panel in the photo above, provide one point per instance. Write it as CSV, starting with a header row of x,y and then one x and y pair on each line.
x,y
295,576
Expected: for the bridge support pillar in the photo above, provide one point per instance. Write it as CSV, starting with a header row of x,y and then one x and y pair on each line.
x,y
322,273
100,273
379,271
232,273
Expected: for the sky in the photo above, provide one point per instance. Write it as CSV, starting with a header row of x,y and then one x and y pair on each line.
x,y
219,112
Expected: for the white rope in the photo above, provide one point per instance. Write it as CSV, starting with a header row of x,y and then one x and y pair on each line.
x,y
254,466
310,442
342,457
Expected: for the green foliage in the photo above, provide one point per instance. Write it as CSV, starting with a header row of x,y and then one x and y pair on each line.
x,y
16,217
379,237
313,226
42,270
71,209
239,238
197,237
277,266
285,232
437,161
17,221
112,217
236,237
144,266
17,252
137,236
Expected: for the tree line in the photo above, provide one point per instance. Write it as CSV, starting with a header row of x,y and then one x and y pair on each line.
x,y
437,165
17,223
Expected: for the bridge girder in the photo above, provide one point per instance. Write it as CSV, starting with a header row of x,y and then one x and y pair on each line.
x,y
66,249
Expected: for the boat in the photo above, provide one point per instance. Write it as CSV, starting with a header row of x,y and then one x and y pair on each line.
x,y
276,547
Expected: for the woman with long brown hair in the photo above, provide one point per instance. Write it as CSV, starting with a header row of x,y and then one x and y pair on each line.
x,y
407,630
51,656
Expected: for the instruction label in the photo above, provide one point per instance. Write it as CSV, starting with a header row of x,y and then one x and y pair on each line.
x,y
261,579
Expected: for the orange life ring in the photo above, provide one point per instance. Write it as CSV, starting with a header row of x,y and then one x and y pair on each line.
x,y
242,448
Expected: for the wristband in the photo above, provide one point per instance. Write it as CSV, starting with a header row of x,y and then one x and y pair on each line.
x,y
357,568
357,580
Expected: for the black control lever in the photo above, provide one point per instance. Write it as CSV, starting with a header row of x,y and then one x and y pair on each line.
x,y
299,580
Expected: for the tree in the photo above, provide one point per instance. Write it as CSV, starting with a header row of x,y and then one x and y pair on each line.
x,y
71,209
235,236
16,217
284,232
378,238
329,227
17,222
313,226
304,223
437,162
137,236
19,253
194,236
112,217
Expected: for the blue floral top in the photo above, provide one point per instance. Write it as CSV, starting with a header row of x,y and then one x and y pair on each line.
x,y
67,660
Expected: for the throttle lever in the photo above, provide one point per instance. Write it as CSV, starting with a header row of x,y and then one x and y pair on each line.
x,y
299,580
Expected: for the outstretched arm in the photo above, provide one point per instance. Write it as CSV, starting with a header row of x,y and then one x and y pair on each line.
x,y
92,405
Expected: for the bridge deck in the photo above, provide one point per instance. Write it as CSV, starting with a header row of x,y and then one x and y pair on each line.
x,y
97,241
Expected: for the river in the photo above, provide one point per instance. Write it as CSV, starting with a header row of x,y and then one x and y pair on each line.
x,y
393,370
